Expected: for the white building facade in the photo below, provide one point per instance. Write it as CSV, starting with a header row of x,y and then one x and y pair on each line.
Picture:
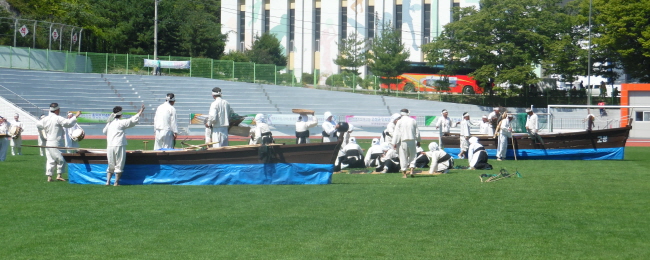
x,y
310,30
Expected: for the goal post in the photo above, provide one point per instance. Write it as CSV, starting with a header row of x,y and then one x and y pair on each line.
x,y
574,117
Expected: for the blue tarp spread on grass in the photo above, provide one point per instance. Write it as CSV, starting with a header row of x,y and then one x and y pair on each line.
x,y
206,174
555,154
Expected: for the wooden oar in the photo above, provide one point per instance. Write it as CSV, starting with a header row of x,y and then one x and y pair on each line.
x,y
63,148
191,146
512,139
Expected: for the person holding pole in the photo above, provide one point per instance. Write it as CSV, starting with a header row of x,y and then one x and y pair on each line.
x,y
505,132
53,125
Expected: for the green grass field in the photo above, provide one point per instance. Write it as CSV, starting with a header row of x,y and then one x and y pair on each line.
x,y
558,210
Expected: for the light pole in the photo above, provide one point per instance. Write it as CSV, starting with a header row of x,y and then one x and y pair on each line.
x,y
589,59
155,31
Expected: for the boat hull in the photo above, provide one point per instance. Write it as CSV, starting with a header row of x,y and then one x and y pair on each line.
x,y
283,164
602,144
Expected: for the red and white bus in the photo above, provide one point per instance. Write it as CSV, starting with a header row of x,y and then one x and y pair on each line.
x,y
423,78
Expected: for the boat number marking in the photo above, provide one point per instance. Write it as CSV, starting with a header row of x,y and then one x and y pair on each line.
x,y
602,139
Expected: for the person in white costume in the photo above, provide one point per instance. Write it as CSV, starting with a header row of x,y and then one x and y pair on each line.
x,y
443,125
68,135
476,155
116,142
329,128
352,155
388,162
17,140
493,118
441,162
404,139
387,134
165,125
505,132
41,139
465,134
485,127
422,160
373,153
262,132
53,125
532,122
219,118
302,128
4,141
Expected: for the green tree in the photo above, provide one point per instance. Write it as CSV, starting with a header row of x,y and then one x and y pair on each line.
x,y
236,56
352,54
266,49
501,41
622,31
387,57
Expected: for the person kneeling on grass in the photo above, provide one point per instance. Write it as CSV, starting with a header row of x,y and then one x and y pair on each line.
x,y
441,162
388,162
477,156
116,142
351,156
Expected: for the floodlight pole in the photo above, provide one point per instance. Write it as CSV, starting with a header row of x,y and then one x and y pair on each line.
x,y
155,31
589,58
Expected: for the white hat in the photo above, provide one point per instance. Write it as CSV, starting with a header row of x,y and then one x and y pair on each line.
x,y
495,108
528,110
404,112
484,116
433,146
16,114
510,115
465,114
327,115
445,111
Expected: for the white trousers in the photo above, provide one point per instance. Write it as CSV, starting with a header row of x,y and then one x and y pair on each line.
x,y
41,142
4,144
464,144
16,148
54,161
220,136
407,154
164,139
116,156
502,147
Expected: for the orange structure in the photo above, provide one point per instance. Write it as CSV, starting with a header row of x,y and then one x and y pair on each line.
x,y
625,98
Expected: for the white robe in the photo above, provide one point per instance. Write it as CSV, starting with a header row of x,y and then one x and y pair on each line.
x,y
330,129
504,134
116,142
302,126
387,136
472,155
53,126
436,164
16,143
486,128
532,124
405,137
219,119
68,137
165,126
348,147
4,141
375,149
465,133
259,129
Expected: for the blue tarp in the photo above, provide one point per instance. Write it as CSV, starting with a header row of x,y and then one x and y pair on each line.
x,y
555,154
207,174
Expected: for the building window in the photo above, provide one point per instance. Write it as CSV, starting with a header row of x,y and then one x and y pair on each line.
x,y
267,21
371,21
242,29
398,19
427,24
317,29
642,116
344,22
292,27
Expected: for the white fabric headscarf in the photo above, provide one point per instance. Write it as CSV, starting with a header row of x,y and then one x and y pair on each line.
x,y
375,141
303,118
473,140
259,118
433,146
353,140
385,147
395,117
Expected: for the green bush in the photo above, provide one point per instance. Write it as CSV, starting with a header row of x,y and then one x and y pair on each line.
x,y
344,80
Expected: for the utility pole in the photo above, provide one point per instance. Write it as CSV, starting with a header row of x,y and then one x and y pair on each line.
x,y
155,31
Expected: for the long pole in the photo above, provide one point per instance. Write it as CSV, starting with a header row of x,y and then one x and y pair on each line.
x,y
589,58
155,31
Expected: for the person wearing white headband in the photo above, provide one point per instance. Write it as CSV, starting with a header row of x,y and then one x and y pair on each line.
x,y
68,135
262,132
302,128
485,127
4,143
373,153
505,132
441,162
330,133
387,134
219,118
465,134
443,124
165,124
17,140
494,118
477,156
52,127
532,123
404,139
41,139
116,142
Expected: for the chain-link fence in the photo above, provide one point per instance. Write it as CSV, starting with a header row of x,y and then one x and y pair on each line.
x,y
35,34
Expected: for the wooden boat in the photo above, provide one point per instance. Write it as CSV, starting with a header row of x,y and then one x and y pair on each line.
x,y
602,144
311,163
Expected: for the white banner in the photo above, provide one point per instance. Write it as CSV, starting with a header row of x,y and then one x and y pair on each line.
x,y
167,64
288,119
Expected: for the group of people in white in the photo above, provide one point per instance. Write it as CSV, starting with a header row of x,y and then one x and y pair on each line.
x,y
10,136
